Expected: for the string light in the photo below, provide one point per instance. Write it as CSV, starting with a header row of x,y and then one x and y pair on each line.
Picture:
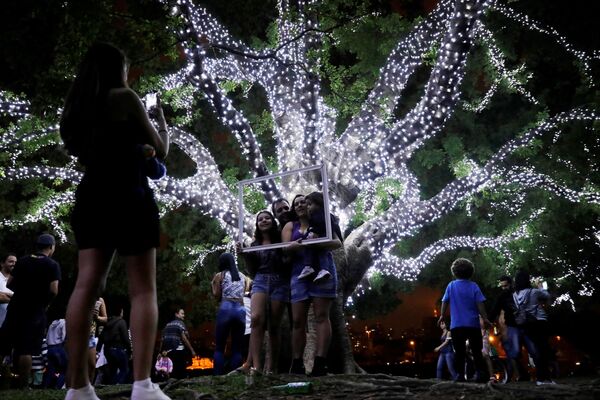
x,y
369,158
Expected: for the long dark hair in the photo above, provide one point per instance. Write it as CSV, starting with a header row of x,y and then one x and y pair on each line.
x,y
522,280
227,263
274,234
100,70
317,198
293,215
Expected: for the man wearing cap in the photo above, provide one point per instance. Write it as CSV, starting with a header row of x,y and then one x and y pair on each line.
x,y
34,281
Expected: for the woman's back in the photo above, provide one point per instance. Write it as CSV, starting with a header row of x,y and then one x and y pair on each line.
x,y
232,290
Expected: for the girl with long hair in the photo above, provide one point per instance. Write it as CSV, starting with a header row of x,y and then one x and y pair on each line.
x,y
270,292
305,291
104,123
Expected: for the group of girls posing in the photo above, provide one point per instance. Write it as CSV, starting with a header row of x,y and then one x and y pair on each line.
x,y
280,276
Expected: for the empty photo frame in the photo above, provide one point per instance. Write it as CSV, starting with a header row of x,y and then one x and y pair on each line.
x,y
278,177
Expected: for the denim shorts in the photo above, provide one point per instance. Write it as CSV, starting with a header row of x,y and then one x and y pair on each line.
x,y
304,289
274,285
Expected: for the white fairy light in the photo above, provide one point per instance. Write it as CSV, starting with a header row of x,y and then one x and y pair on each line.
x,y
369,159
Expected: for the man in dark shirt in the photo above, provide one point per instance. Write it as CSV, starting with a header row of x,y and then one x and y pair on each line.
x,y
511,340
176,342
34,281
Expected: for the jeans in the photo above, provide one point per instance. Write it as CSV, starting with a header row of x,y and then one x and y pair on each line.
x,y
515,339
231,318
118,360
537,332
448,360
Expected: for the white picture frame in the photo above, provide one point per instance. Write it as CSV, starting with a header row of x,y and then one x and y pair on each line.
x,y
325,191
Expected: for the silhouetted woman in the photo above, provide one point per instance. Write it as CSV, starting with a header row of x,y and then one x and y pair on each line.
x,y
103,124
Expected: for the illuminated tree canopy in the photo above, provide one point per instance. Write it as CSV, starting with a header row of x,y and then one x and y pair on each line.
x,y
423,88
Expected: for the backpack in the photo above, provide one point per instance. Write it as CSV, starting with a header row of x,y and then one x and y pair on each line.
x,y
522,315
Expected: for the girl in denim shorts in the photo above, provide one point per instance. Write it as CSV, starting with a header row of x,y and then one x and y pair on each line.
x,y
270,285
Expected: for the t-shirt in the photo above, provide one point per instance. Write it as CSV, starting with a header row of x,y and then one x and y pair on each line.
x,y
463,296
171,335
32,276
3,289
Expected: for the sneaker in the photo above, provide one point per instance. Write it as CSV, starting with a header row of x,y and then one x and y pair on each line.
x,y
323,275
84,393
145,393
306,272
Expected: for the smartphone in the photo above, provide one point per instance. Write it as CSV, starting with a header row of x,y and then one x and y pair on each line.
x,y
545,285
150,100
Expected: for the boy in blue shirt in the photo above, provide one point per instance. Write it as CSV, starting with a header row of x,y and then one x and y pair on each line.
x,y
466,305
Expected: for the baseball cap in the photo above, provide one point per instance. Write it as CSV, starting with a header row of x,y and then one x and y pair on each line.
x,y
45,239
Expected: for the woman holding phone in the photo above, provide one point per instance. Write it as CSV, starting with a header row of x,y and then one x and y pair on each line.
x,y
103,124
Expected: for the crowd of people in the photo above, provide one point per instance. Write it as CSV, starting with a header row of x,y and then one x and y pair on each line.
x,y
276,282
519,313
286,278
115,211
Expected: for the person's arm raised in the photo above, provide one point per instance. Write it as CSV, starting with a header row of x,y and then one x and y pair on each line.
x,y
216,286
159,139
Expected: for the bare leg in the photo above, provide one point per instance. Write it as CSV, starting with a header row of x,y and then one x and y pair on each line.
x,y
93,267
277,309
258,306
299,316
323,325
92,363
141,274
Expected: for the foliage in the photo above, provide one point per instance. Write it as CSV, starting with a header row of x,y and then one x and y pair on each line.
x,y
357,37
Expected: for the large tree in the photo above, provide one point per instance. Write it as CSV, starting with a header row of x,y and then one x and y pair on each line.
x,y
412,173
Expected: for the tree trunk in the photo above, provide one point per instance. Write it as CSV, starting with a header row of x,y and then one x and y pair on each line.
x,y
352,261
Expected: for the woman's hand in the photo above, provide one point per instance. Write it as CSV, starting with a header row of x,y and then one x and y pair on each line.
x,y
294,247
238,248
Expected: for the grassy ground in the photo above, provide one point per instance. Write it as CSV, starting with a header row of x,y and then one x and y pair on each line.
x,y
351,387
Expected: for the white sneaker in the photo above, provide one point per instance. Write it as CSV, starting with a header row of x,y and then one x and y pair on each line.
x,y
151,393
84,393
323,275
306,272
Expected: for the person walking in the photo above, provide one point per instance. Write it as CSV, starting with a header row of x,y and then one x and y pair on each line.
x,y
532,318
175,341
103,124
511,337
466,305
446,357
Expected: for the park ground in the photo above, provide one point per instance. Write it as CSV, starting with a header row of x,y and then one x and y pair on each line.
x,y
366,386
